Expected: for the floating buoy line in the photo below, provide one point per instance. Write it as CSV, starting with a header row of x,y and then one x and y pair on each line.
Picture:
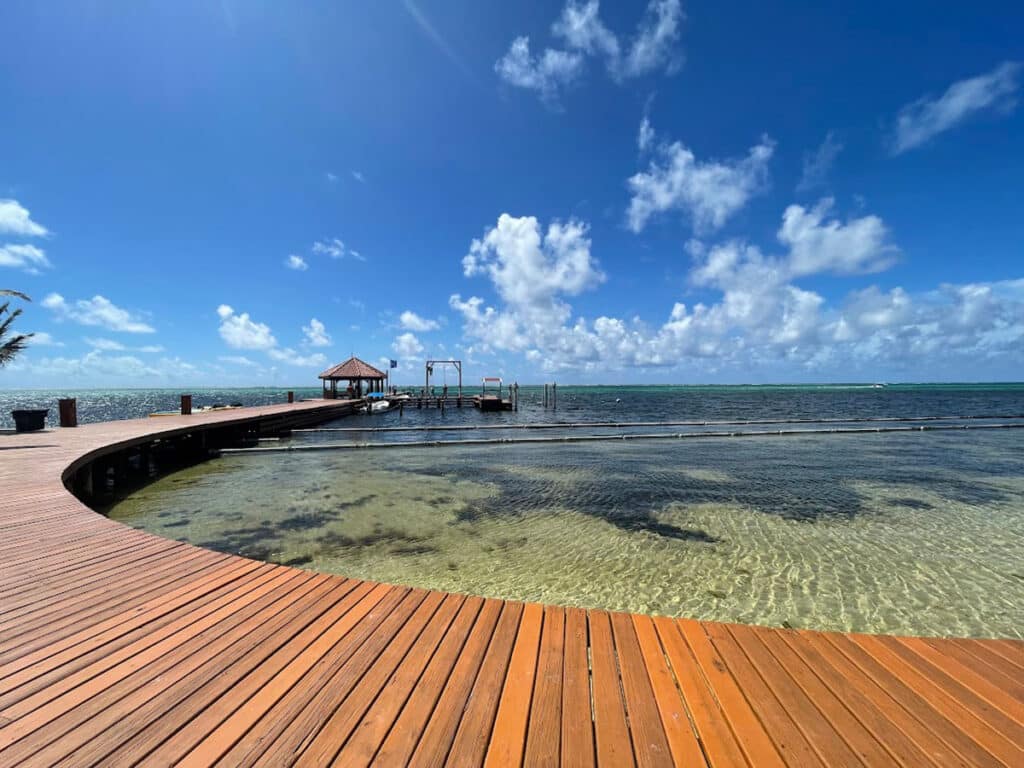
x,y
633,436
635,424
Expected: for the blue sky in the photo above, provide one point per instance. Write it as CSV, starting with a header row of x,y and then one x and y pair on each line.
x,y
200,193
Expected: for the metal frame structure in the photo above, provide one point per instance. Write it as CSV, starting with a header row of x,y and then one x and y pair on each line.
x,y
429,368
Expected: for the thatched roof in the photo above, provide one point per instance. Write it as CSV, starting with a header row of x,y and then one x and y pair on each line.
x,y
352,370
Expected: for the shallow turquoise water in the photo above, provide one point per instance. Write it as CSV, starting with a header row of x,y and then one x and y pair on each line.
x,y
898,533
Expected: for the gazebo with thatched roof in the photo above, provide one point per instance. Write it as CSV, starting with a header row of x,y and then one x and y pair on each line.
x,y
355,372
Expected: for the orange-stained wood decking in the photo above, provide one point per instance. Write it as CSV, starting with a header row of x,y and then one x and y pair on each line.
x,y
118,647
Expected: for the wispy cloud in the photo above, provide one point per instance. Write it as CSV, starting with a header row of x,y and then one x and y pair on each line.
x,y
435,37
336,249
238,360
24,256
109,345
358,176
818,163
44,339
922,120
585,35
546,73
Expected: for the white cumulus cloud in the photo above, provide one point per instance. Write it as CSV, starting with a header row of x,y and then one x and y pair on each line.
x,y
820,245
297,263
316,334
98,311
240,331
759,317
413,322
407,345
709,191
15,219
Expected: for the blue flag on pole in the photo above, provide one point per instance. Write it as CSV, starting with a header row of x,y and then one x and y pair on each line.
x,y
394,363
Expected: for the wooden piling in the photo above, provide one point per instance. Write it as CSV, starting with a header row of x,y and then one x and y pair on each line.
x,y
186,405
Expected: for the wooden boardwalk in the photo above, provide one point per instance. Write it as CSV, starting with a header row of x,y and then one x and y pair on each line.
x,y
120,648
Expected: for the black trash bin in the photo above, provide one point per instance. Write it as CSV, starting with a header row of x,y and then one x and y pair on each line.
x,y
30,420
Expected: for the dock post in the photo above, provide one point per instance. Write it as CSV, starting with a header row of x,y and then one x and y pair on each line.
x,y
554,396
291,396
186,405
68,408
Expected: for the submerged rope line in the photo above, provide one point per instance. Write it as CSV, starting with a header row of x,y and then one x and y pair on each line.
x,y
619,424
624,436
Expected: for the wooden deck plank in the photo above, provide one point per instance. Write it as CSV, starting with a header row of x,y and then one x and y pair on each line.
x,y
966,672
298,715
650,745
385,685
577,717
107,698
245,705
474,727
930,686
18,702
905,735
780,722
410,725
942,721
752,738
117,647
78,640
832,704
382,717
998,669
675,719
544,731
183,692
717,743
508,737
816,726
614,746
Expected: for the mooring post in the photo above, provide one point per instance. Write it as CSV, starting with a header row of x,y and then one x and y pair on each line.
x,y
291,396
554,396
68,408
186,405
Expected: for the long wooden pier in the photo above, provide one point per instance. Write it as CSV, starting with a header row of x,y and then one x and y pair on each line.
x,y
120,648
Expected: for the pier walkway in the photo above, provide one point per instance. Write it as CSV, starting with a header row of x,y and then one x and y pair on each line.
x,y
120,648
